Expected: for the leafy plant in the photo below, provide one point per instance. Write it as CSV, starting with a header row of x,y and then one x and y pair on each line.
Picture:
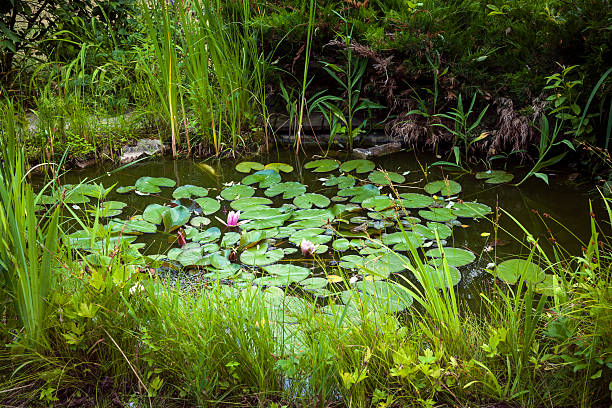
x,y
548,140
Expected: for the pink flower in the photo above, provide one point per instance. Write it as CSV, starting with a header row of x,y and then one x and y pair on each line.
x,y
232,218
308,248
180,238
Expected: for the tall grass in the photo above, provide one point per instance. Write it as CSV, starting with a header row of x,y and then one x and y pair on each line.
x,y
29,243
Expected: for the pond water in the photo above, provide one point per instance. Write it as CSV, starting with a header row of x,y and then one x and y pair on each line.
x,y
563,200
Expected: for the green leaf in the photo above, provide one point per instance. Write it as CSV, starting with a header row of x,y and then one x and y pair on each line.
x,y
322,165
437,214
359,165
260,256
288,273
244,204
247,166
416,200
125,189
288,189
444,187
149,185
310,199
208,205
340,181
470,209
111,208
237,191
454,256
437,276
153,213
377,203
188,191
265,178
495,176
278,167
385,178
175,217
512,270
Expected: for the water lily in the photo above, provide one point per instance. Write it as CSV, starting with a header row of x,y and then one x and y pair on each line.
x,y
232,218
180,238
307,247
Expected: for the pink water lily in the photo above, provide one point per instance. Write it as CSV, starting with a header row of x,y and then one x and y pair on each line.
x,y
232,218
308,248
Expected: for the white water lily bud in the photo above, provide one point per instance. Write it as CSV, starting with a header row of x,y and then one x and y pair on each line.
x,y
490,265
136,288
353,280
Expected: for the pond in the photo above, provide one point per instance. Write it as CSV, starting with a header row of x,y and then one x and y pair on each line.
x,y
348,212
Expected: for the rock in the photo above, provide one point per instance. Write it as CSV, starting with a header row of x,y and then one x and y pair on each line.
x,y
144,147
377,151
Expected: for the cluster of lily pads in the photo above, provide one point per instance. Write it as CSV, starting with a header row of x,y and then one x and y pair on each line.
x,y
253,231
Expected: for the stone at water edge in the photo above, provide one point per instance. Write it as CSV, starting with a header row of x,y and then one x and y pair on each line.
x,y
144,147
377,151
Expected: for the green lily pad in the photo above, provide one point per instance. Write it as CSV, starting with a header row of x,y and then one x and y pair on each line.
x,y
444,187
149,185
495,176
265,223
377,203
230,239
288,272
359,165
208,205
261,213
248,166
512,270
322,165
111,208
438,214
153,213
314,284
132,226
199,221
382,265
175,217
550,286
310,199
429,231
125,189
380,295
437,275
237,191
314,235
210,235
188,191
386,178
470,209
360,193
454,256
402,241
243,204
416,200
265,178
288,189
340,181
260,256
278,167
341,244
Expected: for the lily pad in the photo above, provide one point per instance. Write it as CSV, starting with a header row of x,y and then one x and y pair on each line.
x,y
125,189
149,185
265,178
429,231
512,270
175,217
385,295
188,191
437,275
314,284
454,256
314,235
550,286
311,199
260,256
416,200
340,181
153,213
438,214
386,178
248,166
377,203
495,176
208,205
444,187
470,209
210,235
230,239
199,221
322,165
278,167
111,208
132,226
287,272
237,191
341,244
243,204
359,194
359,165
265,223
288,189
